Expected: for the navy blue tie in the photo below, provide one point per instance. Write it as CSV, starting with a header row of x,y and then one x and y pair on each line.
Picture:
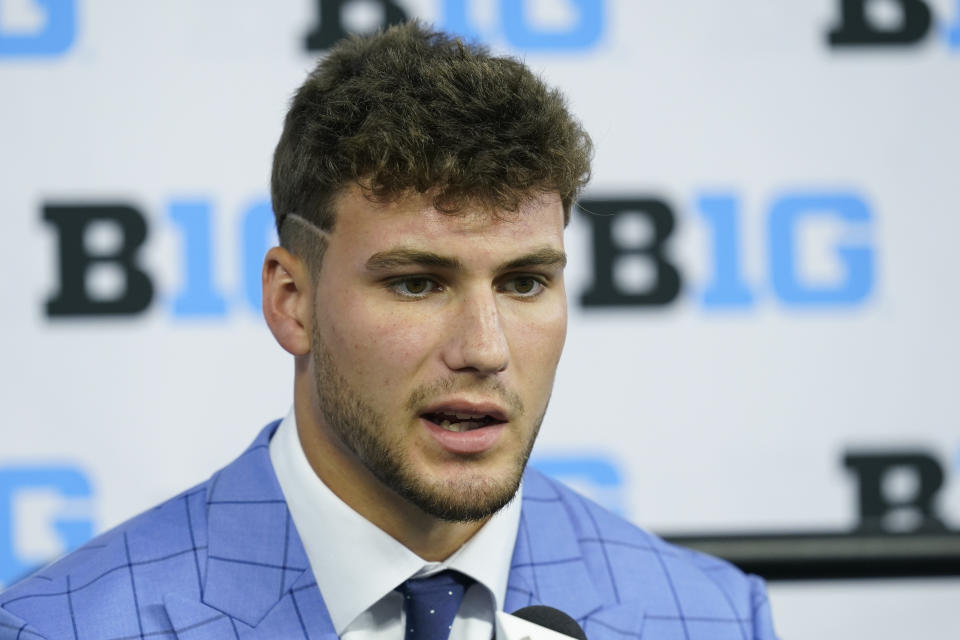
x,y
432,603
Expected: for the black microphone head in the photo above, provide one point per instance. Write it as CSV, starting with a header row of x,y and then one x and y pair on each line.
x,y
552,619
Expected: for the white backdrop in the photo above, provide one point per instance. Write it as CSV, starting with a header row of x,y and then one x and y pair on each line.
x,y
728,408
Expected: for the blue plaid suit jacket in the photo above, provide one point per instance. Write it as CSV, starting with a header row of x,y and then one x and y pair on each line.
x,y
223,560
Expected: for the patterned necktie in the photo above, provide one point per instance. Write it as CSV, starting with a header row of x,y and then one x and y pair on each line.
x,y
432,603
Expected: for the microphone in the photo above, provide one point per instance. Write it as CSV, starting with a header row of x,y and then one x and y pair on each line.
x,y
538,622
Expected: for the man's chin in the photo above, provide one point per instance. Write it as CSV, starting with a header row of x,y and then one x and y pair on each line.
x,y
461,499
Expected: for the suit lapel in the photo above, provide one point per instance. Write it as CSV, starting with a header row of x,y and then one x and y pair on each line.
x,y
257,577
257,582
549,567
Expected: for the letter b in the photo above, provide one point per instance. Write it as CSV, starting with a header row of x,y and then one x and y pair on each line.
x,y
877,506
74,298
330,27
855,28
608,254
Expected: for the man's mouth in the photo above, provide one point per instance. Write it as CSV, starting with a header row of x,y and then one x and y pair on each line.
x,y
458,422
464,427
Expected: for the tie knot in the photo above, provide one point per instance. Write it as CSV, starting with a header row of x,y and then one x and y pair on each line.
x,y
449,580
432,603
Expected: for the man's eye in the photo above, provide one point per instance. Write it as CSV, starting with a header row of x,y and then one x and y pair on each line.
x,y
414,287
524,286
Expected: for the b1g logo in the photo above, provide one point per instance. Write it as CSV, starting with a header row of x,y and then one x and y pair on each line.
x,y
726,286
36,28
526,25
886,23
44,512
84,261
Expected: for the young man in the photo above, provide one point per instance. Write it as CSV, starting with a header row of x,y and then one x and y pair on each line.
x,y
421,188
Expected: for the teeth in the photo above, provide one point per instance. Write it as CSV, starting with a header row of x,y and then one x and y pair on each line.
x,y
468,416
452,426
459,427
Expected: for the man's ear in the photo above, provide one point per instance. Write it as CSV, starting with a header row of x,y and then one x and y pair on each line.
x,y
287,300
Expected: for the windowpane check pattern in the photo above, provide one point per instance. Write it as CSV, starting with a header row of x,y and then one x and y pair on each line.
x,y
224,560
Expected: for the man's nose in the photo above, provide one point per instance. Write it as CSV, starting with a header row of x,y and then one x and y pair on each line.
x,y
477,341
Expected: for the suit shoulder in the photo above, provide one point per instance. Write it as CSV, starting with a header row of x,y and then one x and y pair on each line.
x,y
166,545
115,586
628,563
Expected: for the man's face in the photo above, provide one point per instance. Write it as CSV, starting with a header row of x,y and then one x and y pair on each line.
x,y
435,342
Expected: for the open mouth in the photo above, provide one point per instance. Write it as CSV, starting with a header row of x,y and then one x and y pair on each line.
x,y
458,422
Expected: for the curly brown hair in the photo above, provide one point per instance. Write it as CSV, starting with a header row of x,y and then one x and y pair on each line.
x,y
409,109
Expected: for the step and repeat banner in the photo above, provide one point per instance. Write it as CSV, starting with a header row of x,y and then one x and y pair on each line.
x,y
763,345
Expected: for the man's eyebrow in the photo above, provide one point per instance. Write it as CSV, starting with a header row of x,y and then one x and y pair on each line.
x,y
544,257
403,257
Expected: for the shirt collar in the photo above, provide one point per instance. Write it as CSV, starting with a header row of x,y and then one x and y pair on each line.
x,y
354,562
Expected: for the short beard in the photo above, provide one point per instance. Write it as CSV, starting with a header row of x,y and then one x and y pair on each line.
x,y
364,432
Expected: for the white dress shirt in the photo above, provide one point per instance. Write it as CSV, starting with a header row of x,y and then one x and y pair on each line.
x,y
357,565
